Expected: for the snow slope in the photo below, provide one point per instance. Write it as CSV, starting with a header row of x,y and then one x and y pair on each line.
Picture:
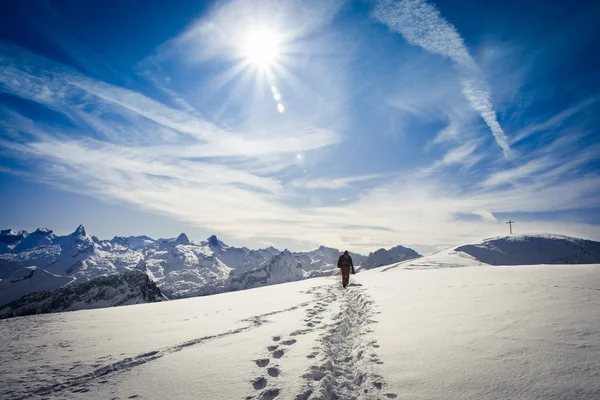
x,y
131,287
539,249
511,250
476,332
28,280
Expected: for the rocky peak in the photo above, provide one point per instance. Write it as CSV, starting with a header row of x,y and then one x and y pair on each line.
x,y
182,239
80,231
9,236
213,241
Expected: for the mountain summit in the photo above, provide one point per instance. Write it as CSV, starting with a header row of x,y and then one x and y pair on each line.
x,y
80,231
182,239
214,242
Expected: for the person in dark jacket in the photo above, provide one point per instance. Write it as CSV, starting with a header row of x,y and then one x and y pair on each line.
x,y
346,265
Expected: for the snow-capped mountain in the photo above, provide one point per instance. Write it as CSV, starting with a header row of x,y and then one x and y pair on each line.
x,y
386,257
180,267
283,267
132,287
41,237
9,239
131,242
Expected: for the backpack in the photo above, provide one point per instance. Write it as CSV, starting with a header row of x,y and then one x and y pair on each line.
x,y
345,261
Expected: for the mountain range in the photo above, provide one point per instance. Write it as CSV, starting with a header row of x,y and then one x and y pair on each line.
x,y
44,272
44,261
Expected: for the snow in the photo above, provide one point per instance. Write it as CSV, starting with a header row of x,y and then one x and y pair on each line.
x,y
511,250
27,280
41,237
538,249
410,332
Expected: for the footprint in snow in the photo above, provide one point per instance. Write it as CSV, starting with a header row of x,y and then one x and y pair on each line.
x,y
289,342
259,383
300,332
270,394
272,348
263,362
278,353
276,338
273,371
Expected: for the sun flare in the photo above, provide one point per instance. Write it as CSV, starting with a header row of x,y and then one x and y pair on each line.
x,y
261,47
263,52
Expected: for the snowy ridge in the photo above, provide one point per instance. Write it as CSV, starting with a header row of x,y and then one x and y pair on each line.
x,y
511,250
133,287
534,249
28,280
9,239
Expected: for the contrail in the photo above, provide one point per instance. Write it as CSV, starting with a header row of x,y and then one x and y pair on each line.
x,y
421,24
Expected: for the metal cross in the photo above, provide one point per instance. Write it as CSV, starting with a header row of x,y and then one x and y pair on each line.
x,y
510,225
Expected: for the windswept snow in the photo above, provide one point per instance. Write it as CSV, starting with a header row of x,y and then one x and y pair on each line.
x,y
476,332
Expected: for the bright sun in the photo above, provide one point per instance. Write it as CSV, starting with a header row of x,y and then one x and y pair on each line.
x,y
261,47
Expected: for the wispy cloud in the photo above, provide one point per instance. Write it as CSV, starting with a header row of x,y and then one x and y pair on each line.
x,y
486,215
554,121
234,167
517,174
548,164
335,183
466,156
421,24
68,92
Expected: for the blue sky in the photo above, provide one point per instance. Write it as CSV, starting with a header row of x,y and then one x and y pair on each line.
x,y
356,125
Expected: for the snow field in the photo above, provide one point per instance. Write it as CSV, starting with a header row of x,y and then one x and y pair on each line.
x,y
483,332
526,332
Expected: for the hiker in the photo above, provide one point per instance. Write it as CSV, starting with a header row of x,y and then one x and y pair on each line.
x,y
345,263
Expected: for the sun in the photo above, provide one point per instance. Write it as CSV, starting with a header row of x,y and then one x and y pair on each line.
x,y
261,47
